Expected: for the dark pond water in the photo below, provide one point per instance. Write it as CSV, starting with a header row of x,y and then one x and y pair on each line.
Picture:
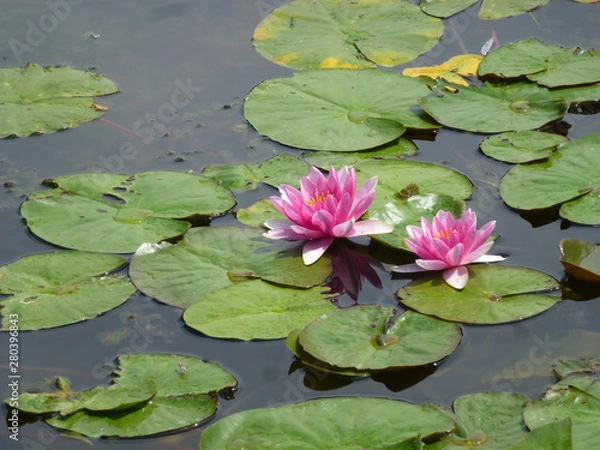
x,y
149,48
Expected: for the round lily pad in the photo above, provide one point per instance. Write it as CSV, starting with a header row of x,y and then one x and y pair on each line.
x,y
521,146
328,423
397,149
494,9
173,375
494,294
487,420
546,64
408,209
256,310
494,107
569,177
39,99
211,258
337,110
352,34
570,399
581,259
50,290
400,180
366,338
293,344
281,169
116,213
157,416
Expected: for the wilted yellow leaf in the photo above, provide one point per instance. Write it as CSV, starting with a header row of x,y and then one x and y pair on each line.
x,y
451,70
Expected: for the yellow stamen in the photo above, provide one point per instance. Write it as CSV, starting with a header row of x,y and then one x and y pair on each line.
x,y
317,198
443,233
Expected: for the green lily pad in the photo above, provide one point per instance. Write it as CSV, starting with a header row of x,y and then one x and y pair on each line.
x,y
364,338
546,64
444,8
101,398
337,109
116,213
577,94
554,436
494,9
488,420
352,34
565,367
569,177
211,258
292,342
151,394
38,100
408,210
401,179
173,375
281,169
562,402
521,146
494,107
258,213
50,290
256,310
494,294
396,149
581,259
158,416
328,423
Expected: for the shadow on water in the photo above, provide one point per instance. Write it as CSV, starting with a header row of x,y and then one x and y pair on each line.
x,y
201,51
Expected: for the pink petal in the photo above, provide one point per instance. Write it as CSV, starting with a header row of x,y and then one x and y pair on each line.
x,y
367,227
432,264
313,250
343,208
343,229
275,224
422,252
308,233
455,255
456,277
478,252
284,233
323,220
408,268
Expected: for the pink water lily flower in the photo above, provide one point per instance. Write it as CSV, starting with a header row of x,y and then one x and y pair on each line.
x,y
324,209
448,244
